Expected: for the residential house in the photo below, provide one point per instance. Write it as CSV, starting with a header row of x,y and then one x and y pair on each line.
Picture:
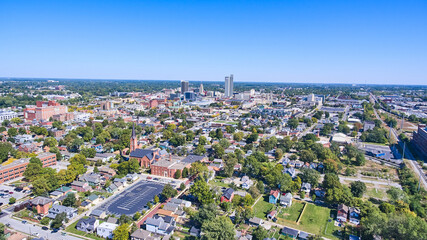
x,y
246,182
87,224
107,172
342,213
106,229
160,225
93,198
195,232
228,195
80,186
290,171
306,187
98,214
274,196
354,215
286,200
57,209
42,204
141,234
290,232
255,221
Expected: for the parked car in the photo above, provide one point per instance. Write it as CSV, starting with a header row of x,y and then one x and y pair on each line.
x,y
55,230
45,228
36,234
24,222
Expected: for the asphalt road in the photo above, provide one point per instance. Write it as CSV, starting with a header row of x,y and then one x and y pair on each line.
x,y
29,228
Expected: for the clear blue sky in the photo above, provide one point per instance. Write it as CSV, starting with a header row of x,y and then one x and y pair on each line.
x,y
320,41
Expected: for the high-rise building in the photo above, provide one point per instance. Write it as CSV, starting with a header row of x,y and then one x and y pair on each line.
x,y
184,86
229,86
201,90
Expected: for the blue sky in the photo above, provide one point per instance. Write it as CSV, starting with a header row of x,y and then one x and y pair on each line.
x,y
380,42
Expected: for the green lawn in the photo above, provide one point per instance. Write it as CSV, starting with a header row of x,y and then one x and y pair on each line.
x,y
291,213
263,207
315,220
219,183
72,229
376,193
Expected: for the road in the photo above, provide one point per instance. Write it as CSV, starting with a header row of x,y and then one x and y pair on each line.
x,y
408,155
29,228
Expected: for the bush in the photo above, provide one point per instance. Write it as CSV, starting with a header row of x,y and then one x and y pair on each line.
x,y
12,200
45,221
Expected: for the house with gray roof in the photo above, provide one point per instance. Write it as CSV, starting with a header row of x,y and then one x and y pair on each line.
x,y
57,209
163,225
87,225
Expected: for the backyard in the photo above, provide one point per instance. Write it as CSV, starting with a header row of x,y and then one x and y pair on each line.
x,y
291,213
315,219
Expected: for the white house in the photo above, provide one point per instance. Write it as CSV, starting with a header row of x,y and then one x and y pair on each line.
x,y
106,229
286,200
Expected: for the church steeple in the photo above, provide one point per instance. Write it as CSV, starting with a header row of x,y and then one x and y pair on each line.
x,y
133,140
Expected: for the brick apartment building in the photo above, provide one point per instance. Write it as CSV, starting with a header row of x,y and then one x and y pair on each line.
x,y
17,168
44,110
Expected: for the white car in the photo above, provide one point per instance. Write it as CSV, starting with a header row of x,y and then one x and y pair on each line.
x,y
36,234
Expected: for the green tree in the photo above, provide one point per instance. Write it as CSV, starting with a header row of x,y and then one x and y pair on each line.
x,y
58,221
310,176
12,200
220,228
358,188
12,132
168,192
202,191
278,154
70,200
259,233
177,174
121,232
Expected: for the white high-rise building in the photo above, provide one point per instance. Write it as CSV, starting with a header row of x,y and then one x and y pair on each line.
x,y
201,90
229,86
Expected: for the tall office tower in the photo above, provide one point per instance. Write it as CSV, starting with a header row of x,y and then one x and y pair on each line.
x,y
201,91
229,86
184,86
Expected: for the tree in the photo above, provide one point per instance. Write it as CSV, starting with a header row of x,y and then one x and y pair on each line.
x,y
202,191
358,188
156,199
177,174
121,232
259,233
12,200
88,152
292,123
5,150
252,138
278,154
70,200
360,159
307,156
203,140
182,186
185,173
136,216
238,136
220,228
124,219
50,141
200,150
310,176
12,132
41,186
168,192
34,169
58,221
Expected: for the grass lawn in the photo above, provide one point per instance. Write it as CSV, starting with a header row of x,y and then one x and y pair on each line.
x,y
315,220
72,229
219,183
376,193
262,207
291,213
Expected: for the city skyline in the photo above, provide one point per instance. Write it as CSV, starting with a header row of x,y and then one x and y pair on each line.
x,y
293,42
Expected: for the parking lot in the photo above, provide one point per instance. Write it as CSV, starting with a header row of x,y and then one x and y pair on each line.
x,y
133,200
6,192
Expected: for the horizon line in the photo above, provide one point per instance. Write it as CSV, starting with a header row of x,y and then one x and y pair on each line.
x,y
238,81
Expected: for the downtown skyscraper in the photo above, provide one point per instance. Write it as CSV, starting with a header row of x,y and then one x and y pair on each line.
x,y
229,84
184,86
